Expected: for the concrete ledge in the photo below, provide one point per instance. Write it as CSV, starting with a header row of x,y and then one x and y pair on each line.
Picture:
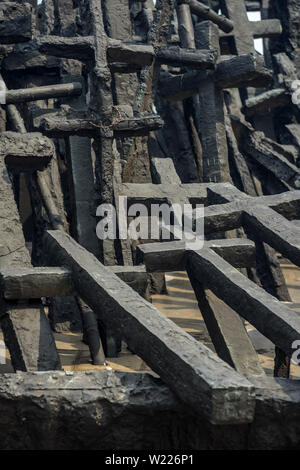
x,y
105,410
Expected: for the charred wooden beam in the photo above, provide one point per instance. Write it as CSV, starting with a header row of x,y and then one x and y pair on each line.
x,y
138,54
264,102
43,92
15,22
236,72
170,256
266,28
180,57
21,283
80,48
261,148
169,351
33,283
206,13
273,319
26,152
253,5
61,124
26,330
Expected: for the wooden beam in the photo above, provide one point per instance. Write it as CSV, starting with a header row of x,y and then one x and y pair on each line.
x,y
170,256
235,72
64,125
15,22
272,318
195,373
260,148
206,13
80,48
43,92
266,28
34,283
20,283
271,99
177,56
26,152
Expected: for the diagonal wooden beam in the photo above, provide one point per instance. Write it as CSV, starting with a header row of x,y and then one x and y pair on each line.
x,y
173,354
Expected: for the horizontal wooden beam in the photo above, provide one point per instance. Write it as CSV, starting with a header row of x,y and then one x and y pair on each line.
x,y
264,102
43,92
62,124
20,283
80,48
235,72
15,22
26,152
170,256
204,12
268,315
177,56
196,374
33,283
270,28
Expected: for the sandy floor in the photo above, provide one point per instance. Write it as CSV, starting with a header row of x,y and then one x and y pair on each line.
x,y
180,306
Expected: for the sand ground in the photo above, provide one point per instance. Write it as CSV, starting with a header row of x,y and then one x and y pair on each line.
x,y
179,305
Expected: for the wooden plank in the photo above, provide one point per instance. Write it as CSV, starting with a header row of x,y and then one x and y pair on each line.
x,y
260,148
34,283
177,56
15,22
206,13
43,92
272,318
26,152
264,102
26,330
170,256
227,331
195,373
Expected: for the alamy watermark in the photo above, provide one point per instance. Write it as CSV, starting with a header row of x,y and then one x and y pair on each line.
x,y
2,353
162,222
296,91
296,355
2,92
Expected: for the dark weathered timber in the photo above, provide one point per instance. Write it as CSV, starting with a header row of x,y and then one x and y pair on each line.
x,y
260,148
236,72
273,319
206,13
243,71
59,124
26,152
80,48
26,330
252,6
244,30
178,56
174,355
265,215
264,102
43,92
138,54
170,256
228,333
15,22
34,283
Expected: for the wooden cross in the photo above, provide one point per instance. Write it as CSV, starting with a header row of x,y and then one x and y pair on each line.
x,y
246,31
209,111
26,329
167,349
207,268
234,209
